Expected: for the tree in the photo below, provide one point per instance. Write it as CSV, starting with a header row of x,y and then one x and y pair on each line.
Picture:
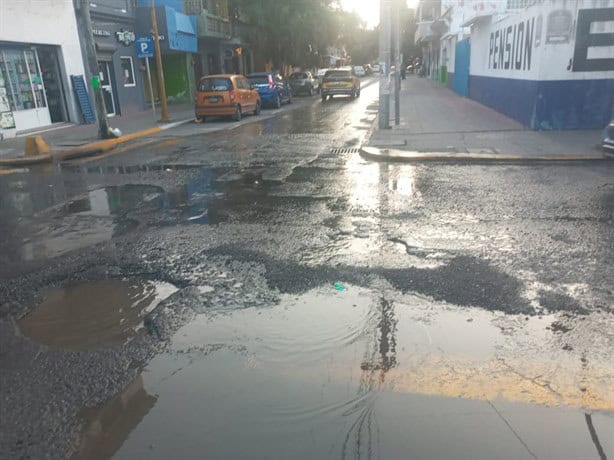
x,y
294,32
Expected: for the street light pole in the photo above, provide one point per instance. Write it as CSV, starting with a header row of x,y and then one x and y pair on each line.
x,y
83,11
164,118
384,63
397,62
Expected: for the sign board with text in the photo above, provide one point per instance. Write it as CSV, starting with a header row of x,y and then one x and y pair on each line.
x,y
144,47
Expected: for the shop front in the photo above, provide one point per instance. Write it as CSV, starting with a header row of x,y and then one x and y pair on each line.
x,y
32,84
178,44
120,80
39,52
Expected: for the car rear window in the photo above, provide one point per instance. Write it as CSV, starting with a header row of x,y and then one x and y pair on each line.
x,y
215,84
337,74
259,80
298,76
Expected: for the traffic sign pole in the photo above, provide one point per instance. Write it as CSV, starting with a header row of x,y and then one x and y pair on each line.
x,y
153,101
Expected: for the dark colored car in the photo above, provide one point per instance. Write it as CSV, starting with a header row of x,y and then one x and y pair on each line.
x,y
304,83
608,138
272,88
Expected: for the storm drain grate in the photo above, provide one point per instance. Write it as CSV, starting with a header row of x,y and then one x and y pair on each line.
x,y
344,150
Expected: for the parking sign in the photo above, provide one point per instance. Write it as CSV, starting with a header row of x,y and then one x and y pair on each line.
x,y
144,47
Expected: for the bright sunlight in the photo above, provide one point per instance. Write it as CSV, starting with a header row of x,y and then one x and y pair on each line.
x,y
368,10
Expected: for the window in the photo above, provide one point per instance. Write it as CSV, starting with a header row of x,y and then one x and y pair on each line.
x,y
215,84
22,78
128,71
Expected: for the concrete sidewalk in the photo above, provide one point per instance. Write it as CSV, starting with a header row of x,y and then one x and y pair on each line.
x,y
67,136
435,119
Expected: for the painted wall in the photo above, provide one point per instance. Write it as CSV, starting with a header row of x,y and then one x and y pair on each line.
x,y
537,65
50,22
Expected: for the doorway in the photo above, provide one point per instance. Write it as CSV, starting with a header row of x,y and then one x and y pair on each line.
x,y
53,84
106,84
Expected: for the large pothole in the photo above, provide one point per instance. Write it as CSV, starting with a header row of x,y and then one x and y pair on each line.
x,y
93,314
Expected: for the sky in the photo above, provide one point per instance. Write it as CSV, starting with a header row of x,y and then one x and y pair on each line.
x,y
368,9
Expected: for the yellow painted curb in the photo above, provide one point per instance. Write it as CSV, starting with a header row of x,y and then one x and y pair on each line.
x,y
102,146
35,146
26,160
377,154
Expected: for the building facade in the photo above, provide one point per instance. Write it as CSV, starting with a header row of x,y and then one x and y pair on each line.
x,y
178,37
546,63
114,30
39,51
221,44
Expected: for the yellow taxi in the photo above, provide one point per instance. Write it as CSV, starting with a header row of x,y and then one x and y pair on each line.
x,y
340,81
225,95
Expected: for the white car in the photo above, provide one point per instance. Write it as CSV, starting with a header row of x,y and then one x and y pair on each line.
x,y
359,71
375,68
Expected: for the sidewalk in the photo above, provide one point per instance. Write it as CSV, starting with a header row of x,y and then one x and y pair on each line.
x,y
435,119
69,135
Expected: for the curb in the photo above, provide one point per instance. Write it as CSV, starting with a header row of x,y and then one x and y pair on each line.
x,y
404,156
88,149
26,160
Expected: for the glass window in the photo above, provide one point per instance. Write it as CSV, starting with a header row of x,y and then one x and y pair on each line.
x,y
22,78
128,71
215,84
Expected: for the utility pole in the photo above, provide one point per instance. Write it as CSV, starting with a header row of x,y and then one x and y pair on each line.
x,y
384,63
83,10
164,118
397,62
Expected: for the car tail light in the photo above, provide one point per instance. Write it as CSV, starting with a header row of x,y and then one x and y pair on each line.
x,y
231,93
271,84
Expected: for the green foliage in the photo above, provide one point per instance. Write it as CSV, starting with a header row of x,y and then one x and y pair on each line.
x,y
298,32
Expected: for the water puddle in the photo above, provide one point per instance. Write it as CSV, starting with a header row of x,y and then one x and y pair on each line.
x,y
352,373
92,314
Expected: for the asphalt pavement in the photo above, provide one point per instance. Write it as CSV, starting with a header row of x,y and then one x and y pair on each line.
x,y
259,290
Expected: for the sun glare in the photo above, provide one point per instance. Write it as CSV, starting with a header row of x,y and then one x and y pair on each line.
x,y
368,10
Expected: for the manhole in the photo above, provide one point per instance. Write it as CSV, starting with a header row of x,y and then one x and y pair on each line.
x,y
344,150
92,314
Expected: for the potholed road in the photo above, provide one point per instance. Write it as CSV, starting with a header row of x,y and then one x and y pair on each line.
x,y
261,291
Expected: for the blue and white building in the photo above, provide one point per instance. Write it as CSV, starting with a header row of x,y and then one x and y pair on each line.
x,y
546,63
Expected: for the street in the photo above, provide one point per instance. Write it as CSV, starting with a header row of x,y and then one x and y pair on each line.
x,y
258,290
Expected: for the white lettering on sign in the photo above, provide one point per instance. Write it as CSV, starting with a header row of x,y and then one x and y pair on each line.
x,y
101,33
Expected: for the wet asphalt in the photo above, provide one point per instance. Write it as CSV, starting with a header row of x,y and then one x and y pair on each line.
x,y
262,291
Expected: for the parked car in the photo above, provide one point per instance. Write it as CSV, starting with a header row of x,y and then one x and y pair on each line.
x,y
340,81
608,138
303,82
359,71
375,68
272,88
225,95
320,75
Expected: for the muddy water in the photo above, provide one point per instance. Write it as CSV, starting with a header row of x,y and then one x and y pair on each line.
x,y
358,374
92,314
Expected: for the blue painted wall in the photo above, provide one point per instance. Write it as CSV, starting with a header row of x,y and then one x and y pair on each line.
x,y
461,67
560,104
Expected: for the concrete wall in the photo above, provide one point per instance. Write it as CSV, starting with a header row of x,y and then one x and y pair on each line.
x,y
50,22
536,65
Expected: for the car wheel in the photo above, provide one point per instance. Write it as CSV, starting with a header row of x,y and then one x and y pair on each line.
x,y
353,95
358,93
290,98
324,97
237,116
278,102
311,91
258,108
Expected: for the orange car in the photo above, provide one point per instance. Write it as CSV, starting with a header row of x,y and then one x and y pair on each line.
x,y
225,95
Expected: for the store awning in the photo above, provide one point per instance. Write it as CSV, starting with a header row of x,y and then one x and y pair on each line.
x,y
476,20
